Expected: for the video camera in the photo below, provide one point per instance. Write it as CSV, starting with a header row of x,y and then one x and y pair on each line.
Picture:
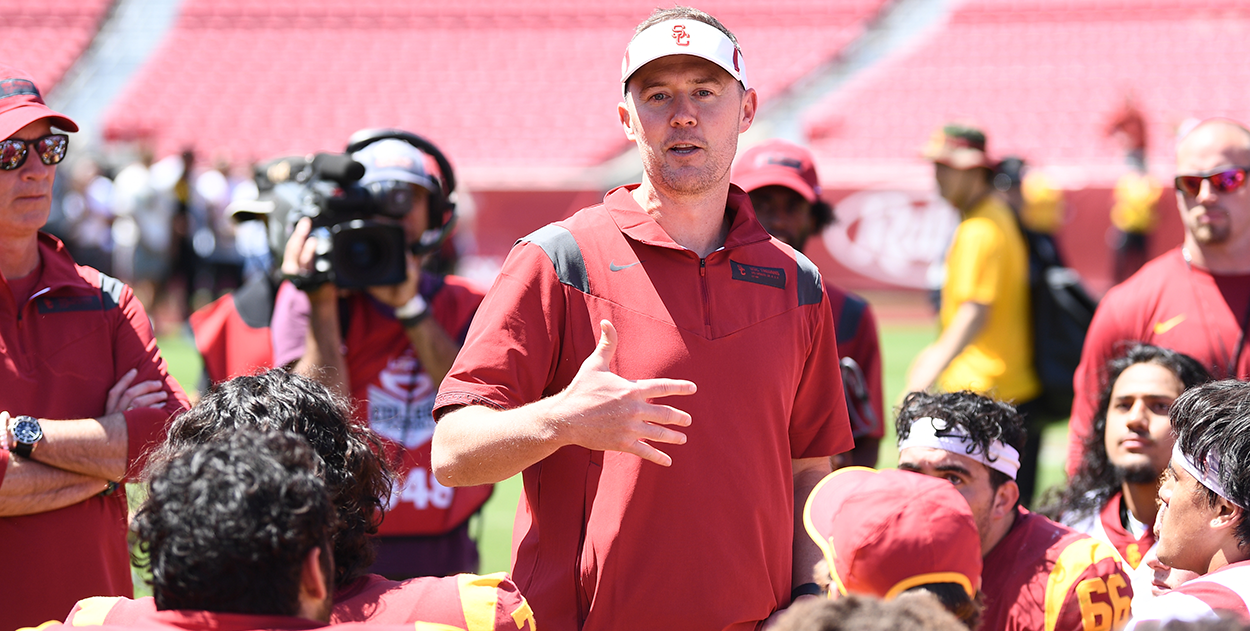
x,y
360,240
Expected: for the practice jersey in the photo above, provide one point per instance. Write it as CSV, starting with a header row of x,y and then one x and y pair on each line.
x,y
1044,576
1106,525
1224,591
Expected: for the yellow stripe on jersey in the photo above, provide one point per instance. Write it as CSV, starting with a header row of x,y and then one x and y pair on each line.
x,y
524,614
92,611
42,626
478,597
1072,562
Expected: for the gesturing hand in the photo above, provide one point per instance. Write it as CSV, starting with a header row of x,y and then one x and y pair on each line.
x,y
603,411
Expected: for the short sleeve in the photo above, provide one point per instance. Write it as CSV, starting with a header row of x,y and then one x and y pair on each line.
x,y
289,327
974,263
510,354
820,425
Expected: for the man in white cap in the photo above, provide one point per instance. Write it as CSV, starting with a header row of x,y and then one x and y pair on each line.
x,y
663,373
83,389
389,346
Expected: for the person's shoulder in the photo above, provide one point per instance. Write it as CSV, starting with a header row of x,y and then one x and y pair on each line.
x,y
1153,275
435,600
101,610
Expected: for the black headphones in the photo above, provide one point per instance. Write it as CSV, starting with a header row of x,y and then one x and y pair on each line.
x,y
442,205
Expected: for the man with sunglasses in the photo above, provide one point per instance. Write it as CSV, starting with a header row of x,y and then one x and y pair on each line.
x,y
79,375
1194,299
388,347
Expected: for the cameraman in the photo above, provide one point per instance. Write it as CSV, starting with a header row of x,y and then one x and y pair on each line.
x,y
388,348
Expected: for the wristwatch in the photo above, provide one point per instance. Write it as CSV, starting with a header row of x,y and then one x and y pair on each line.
x,y
413,312
26,433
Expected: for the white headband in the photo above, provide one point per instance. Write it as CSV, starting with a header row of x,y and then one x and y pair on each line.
x,y
683,37
1210,479
924,433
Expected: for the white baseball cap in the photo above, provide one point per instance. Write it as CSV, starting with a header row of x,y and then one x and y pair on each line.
x,y
683,37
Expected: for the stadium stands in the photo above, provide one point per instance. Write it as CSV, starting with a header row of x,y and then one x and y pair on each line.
x,y
1044,78
501,85
44,37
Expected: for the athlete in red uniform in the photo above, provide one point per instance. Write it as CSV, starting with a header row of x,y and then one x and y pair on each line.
x,y
359,481
1202,525
79,369
1195,299
781,179
388,348
237,534
1037,574
885,533
683,290
1113,495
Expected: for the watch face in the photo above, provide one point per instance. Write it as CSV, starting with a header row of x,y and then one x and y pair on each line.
x,y
26,430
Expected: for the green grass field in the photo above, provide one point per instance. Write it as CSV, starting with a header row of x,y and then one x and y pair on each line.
x,y
493,526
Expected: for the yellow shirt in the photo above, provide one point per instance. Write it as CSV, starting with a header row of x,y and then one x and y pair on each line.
x,y
988,264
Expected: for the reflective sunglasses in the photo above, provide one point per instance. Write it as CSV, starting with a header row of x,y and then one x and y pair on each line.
x,y
1222,182
50,149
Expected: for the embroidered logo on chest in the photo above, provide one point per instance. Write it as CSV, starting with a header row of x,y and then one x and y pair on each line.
x,y
771,276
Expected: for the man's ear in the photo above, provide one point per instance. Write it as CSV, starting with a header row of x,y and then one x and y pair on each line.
x,y
622,109
1005,498
750,104
313,583
1226,514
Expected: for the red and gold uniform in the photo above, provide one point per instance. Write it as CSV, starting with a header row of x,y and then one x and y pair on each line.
x,y
604,540
1044,576
66,337
467,601
183,620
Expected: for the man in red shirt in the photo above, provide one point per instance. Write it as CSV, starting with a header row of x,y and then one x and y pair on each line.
x,y
1194,299
781,179
663,373
1037,574
359,481
1202,525
79,369
388,347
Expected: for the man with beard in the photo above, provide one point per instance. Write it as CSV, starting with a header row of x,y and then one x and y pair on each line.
x,y
587,352
1113,495
1194,299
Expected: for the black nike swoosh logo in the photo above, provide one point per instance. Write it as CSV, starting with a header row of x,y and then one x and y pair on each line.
x,y
616,268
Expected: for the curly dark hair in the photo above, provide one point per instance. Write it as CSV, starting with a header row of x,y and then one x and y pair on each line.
x,y
349,454
1096,479
1214,418
982,419
228,524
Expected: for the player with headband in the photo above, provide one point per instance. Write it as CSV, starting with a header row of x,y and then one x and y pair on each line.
x,y
1036,574
1202,524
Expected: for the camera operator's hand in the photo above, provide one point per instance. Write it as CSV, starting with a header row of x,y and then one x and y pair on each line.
x,y
299,256
399,294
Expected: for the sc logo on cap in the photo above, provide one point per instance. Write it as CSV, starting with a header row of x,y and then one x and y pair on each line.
x,y
680,34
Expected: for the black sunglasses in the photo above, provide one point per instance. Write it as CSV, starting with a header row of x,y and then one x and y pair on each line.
x,y
1225,181
51,150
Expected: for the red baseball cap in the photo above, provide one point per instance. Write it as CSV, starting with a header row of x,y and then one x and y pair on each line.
x,y
884,532
21,104
778,163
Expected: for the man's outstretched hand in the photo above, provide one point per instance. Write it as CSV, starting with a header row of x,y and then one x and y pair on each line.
x,y
603,411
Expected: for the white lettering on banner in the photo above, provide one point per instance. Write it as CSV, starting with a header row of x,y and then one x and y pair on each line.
x,y
892,236
401,403
422,490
